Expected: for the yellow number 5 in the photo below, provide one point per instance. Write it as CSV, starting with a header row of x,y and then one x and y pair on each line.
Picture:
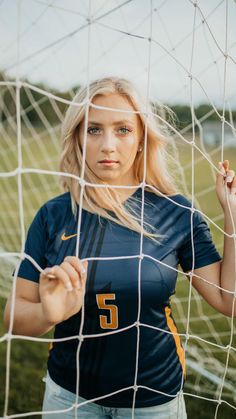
x,y
109,321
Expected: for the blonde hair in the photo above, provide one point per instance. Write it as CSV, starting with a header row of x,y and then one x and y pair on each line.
x,y
97,200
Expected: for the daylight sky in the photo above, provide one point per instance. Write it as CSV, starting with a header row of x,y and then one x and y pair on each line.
x,y
52,42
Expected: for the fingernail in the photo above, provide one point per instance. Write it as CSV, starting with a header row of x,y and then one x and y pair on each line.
x,y
69,286
77,285
50,274
233,191
229,179
83,270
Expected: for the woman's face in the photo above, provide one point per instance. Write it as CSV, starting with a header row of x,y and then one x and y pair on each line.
x,y
113,139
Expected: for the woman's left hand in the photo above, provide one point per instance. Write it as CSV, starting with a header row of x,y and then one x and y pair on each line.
x,y
226,187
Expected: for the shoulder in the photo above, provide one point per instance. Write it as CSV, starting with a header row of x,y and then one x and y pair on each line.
x,y
63,200
54,211
178,201
177,209
59,203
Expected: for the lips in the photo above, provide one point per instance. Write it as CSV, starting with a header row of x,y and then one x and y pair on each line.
x,y
106,161
108,164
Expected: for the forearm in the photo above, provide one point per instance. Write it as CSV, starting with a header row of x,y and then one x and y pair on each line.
x,y
228,265
28,320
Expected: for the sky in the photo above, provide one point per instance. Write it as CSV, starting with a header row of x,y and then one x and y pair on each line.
x,y
158,44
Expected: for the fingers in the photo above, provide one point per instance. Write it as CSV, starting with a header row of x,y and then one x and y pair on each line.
x,y
227,176
79,267
72,273
233,186
225,165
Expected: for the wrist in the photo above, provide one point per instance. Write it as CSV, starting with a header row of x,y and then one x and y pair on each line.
x,y
45,321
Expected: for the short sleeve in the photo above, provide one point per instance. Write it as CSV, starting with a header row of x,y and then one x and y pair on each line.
x,y
205,252
35,247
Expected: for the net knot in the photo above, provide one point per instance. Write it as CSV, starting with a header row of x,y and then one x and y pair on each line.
x,y
141,256
137,324
19,84
8,336
142,185
187,336
191,274
81,338
18,171
22,256
82,183
135,388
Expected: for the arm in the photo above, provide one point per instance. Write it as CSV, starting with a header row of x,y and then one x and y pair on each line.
x,y
222,274
58,296
29,319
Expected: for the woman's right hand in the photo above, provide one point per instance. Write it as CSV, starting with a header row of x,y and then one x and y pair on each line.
x,y
62,289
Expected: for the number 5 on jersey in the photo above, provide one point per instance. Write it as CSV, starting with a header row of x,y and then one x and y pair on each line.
x,y
109,321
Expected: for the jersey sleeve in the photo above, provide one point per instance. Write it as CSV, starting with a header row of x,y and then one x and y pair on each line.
x,y
205,251
35,247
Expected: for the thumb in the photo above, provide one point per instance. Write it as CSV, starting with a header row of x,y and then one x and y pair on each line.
x,y
226,165
84,273
47,274
220,177
85,264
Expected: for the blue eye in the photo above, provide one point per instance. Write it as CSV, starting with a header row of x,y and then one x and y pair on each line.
x,y
93,130
124,130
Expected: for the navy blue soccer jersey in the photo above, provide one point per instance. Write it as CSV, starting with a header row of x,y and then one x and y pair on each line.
x,y
108,360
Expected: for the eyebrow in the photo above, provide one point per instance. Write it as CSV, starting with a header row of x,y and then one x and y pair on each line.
x,y
123,121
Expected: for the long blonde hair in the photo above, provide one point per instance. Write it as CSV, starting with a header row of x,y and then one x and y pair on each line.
x,y
97,200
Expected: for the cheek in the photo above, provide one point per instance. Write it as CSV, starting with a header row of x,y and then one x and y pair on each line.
x,y
131,145
90,153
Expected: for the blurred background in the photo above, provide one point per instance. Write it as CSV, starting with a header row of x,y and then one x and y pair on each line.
x,y
182,54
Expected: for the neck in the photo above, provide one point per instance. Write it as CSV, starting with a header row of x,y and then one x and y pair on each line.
x,y
125,193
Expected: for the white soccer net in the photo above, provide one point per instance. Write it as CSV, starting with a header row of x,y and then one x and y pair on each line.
x,y
184,53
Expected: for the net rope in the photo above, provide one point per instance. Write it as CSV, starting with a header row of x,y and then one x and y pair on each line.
x,y
210,343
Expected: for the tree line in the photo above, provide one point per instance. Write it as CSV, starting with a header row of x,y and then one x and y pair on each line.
x,y
35,104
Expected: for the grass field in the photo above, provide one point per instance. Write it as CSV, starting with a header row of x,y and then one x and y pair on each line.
x,y
28,359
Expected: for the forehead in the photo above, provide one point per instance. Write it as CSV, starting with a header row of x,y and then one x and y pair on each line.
x,y
119,105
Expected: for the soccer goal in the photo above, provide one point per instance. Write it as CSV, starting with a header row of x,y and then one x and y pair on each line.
x,y
184,56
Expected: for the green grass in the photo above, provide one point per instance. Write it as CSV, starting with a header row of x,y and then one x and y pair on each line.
x,y
28,359
27,368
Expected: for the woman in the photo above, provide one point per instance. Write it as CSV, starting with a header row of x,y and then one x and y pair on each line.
x,y
123,353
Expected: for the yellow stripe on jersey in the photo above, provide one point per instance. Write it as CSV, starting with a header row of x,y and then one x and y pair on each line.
x,y
173,329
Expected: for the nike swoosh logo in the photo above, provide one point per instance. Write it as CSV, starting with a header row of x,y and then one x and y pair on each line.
x,y
64,237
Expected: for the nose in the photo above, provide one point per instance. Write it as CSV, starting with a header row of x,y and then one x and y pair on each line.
x,y
108,142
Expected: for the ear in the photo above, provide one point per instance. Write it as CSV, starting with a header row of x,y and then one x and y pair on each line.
x,y
140,148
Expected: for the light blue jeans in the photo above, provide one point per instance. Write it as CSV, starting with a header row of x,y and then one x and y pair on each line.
x,y
58,399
